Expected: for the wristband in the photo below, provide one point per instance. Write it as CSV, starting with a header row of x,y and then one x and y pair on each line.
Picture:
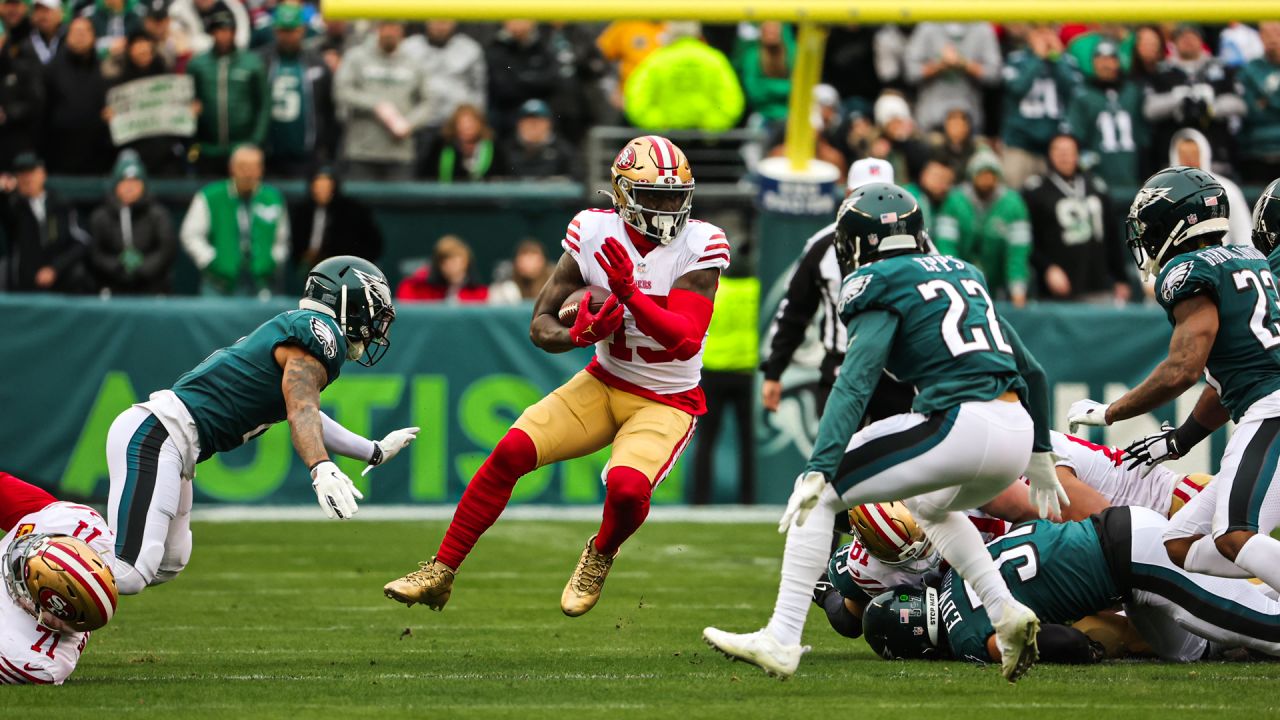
x,y
376,457
1188,434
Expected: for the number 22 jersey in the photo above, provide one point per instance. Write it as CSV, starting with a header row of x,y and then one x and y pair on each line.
x,y
631,360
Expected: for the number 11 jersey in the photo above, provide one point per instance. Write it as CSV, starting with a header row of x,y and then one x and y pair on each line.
x,y
631,360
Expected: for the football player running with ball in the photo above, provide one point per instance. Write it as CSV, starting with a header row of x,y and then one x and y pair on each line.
x,y
1222,302
640,393
930,321
274,373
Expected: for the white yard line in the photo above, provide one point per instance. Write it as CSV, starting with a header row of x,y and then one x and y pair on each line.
x,y
715,514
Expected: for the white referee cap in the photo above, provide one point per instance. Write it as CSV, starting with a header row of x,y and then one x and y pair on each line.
x,y
869,170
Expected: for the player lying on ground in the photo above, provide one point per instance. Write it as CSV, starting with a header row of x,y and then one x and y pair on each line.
x,y
1225,312
1067,571
640,393
889,548
275,373
56,564
930,320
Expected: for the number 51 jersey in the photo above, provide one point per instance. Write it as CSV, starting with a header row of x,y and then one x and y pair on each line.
x,y
949,342
630,355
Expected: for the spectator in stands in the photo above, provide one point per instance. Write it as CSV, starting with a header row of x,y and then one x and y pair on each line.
x,y
163,156
455,63
1260,136
1148,53
1239,44
956,142
985,222
132,244
708,98
329,222
950,64
521,279
300,132
237,230
1038,82
15,16
46,30
1083,47
76,138
46,244
173,47
579,100
535,152
853,135
1105,115
21,100
935,183
112,20
849,63
382,91
764,66
333,42
192,20
627,43
464,151
1191,148
232,96
1193,90
446,279
899,143
1077,251
521,68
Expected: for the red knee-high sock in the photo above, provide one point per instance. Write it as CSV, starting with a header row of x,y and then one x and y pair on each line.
x,y
487,495
626,505
17,498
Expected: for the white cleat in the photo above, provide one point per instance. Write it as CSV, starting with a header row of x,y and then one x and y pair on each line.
x,y
759,648
1016,638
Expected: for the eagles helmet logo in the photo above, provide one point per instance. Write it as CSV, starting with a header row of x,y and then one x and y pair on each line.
x,y
324,335
1176,278
1147,196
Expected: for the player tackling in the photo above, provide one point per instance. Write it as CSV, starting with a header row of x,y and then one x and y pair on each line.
x,y
274,373
640,393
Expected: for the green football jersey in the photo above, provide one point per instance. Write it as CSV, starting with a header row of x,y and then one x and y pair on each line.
x,y
234,395
1056,569
1112,130
1244,364
949,343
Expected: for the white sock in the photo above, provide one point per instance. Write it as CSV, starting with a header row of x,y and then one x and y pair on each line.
x,y
803,560
1203,557
961,545
1260,556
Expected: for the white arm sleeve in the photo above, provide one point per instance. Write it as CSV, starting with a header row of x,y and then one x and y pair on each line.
x,y
195,233
342,441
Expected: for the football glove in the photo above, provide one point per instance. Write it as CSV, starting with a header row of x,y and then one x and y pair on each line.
x,y
804,497
390,446
617,268
1154,448
590,328
335,491
1046,493
1087,412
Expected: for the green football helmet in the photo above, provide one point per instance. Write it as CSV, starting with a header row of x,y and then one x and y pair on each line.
x,y
1179,209
1266,219
354,292
902,624
878,220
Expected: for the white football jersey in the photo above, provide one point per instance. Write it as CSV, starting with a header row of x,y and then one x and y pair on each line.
x,y
29,651
1103,469
630,355
875,577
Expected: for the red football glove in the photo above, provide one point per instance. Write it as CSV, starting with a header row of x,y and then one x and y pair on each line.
x,y
588,328
617,267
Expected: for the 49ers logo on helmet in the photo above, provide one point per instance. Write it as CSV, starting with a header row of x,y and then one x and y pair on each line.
x,y
56,604
626,159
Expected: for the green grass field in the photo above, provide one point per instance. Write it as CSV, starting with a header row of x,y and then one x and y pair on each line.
x,y
287,620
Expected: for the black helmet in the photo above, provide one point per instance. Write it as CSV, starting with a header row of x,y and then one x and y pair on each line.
x,y
878,220
1266,219
1174,206
354,292
902,624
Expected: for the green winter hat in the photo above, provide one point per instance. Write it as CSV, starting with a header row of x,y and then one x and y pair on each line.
x,y
128,165
288,17
984,160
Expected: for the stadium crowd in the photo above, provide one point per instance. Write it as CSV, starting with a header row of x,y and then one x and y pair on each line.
x,y
1010,136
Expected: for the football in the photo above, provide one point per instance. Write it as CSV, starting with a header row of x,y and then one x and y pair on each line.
x,y
569,310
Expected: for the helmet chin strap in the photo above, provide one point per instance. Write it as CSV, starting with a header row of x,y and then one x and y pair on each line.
x,y
355,349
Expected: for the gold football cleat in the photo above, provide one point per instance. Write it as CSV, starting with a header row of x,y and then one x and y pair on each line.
x,y
431,585
583,591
